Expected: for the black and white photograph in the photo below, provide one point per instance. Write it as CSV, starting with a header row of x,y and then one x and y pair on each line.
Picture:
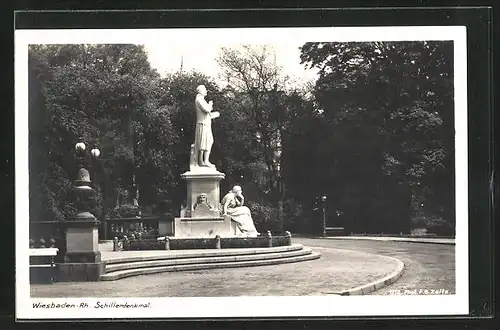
x,y
237,172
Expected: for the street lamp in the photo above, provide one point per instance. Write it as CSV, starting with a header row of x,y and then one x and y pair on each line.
x,y
95,152
80,146
82,258
83,180
323,200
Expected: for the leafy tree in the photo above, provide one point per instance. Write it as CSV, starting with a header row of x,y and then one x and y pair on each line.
x,y
375,132
389,108
103,94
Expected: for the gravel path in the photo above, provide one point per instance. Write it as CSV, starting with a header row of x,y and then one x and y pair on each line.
x,y
336,270
428,266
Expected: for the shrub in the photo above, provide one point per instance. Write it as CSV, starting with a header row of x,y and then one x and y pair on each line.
x,y
192,243
265,217
441,228
232,243
204,243
437,225
125,211
143,245
301,220
144,233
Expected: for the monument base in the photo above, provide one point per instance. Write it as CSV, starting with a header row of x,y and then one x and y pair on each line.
x,y
80,272
203,182
82,259
79,239
204,227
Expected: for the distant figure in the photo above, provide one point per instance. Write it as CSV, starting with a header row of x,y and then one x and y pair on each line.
x,y
232,205
203,135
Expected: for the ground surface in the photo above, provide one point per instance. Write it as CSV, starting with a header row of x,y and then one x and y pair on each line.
x,y
429,266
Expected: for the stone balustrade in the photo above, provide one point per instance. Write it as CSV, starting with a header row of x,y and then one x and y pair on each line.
x,y
42,243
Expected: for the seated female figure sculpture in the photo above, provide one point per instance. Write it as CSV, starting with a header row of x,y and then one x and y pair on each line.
x,y
232,205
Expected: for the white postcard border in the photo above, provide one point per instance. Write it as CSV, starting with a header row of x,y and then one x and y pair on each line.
x,y
211,307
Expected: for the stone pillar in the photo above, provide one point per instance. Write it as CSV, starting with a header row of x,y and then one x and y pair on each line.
x,y
165,225
202,216
82,259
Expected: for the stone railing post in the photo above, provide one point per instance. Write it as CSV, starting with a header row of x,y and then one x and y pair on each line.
x,y
217,242
52,268
115,243
125,243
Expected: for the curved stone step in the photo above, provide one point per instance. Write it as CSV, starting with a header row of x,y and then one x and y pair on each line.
x,y
152,270
203,260
115,258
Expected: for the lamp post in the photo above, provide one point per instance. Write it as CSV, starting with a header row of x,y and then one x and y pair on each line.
x,y
83,188
323,200
95,153
82,259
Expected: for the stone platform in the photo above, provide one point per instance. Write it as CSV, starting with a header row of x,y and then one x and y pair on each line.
x,y
336,272
130,263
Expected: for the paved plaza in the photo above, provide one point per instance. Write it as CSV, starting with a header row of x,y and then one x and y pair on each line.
x,y
427,266
344,264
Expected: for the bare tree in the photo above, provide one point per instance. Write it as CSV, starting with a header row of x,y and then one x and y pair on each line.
x,y
260,86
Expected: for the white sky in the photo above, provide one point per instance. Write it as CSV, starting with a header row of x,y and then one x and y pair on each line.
x,y
202,58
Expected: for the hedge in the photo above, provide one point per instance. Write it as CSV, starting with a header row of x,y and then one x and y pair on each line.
x,y
200,243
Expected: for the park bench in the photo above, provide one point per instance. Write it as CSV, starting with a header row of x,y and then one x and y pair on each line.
x,y
334,231
42,265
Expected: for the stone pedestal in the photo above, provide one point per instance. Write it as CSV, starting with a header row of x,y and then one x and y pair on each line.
x,y
200,227
202,216
203,180
82,259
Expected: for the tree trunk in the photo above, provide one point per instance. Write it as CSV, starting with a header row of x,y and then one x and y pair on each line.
x,y
280,216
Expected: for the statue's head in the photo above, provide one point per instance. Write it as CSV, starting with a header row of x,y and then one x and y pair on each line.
x,y
201,89
237,190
